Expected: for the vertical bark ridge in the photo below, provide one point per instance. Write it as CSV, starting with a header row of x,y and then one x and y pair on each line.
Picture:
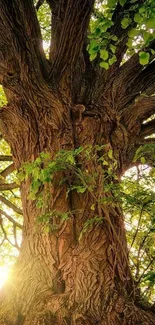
x,y
72,33
24,36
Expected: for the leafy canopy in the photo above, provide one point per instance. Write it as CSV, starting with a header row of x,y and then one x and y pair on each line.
x,y
137,22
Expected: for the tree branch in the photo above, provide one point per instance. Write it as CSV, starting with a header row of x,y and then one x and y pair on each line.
x,y
146,141
15,237
134,115
6,236
2,241
5,158
137,229
70,22
20,40
145,82
15,223
120,32
145,269
123,84
147,129
141,245
8,170
10,205
3,230
6,187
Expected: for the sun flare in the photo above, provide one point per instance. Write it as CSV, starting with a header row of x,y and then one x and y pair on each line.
x,y
4,273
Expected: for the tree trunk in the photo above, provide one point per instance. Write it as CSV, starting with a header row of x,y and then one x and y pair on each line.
x,y
61,278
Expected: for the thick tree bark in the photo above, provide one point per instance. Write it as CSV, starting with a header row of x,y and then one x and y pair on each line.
x,y
59,278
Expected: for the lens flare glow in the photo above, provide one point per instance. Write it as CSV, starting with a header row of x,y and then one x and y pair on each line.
x,y
4,273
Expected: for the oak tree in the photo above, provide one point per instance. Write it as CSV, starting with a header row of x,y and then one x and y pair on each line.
x,y
74,120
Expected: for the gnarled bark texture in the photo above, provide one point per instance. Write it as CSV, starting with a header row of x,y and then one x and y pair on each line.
x,y
64,103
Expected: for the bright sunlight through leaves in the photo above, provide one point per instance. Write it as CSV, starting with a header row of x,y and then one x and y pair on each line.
x,y
4,273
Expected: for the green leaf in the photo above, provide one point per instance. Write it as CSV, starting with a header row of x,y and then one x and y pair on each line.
x,y
104,65
70,159
78,151
122,2
35,186
38,161
31,196
21,176
112,48
45,175
111,3
39,204
144,58
146,36
93,207
28,167
93,46
107,25
142,159
150,23
129,43
114,38
142,9
110,154
125,22
133,32
93,56
36,173
97,32
3,99
81,189
64,216
104,54
45,156
112,60
106,36
138,18
94,50
105,163
47,228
